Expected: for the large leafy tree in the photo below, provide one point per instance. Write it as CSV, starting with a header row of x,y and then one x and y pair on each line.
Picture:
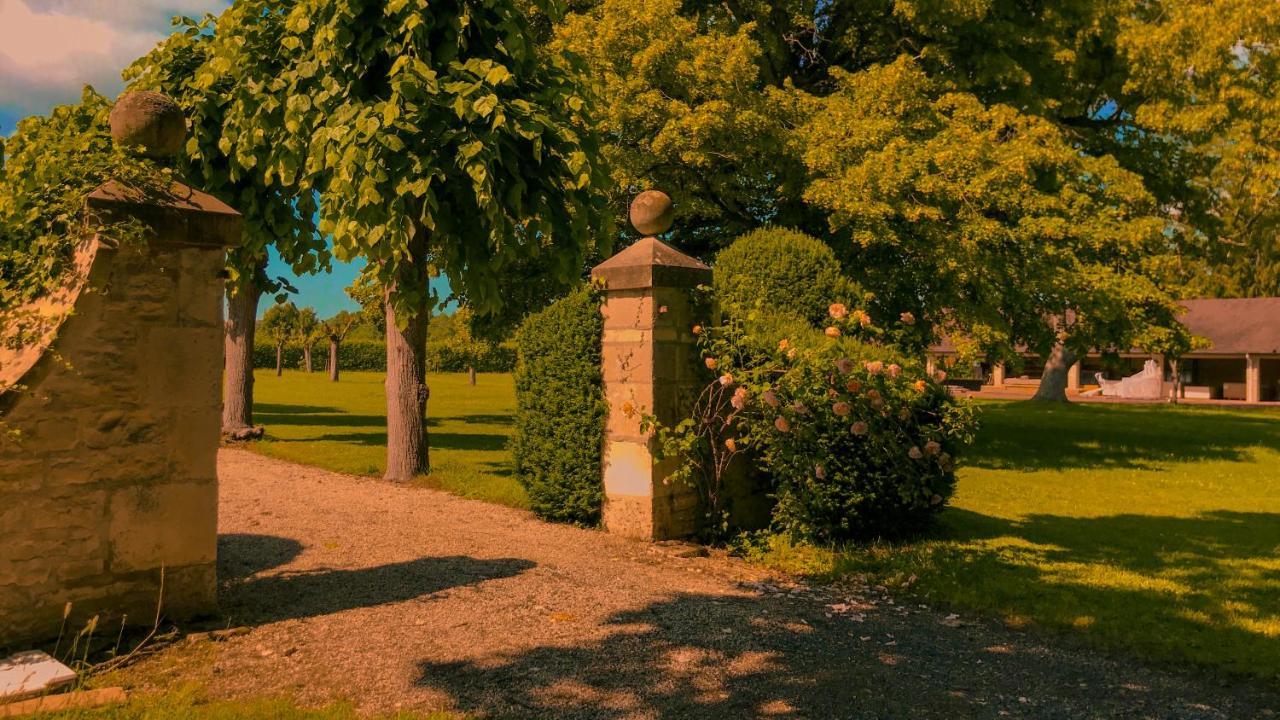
x,y
983,221
438,138
1207,77
276,212
687,107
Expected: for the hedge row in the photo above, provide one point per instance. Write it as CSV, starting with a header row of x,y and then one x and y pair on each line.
x,y
561,410
373,356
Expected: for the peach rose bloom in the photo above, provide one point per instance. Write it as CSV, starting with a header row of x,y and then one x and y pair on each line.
x,y
878,403
781,424
832,331
726,379
770,398
874,367
841,408
844,365
859,428
873,394
837,311
731,444
932,447
853,386
783,344
864,319
894,370
907,318
940,375
914,453
819,472
711,363
921,386
697,329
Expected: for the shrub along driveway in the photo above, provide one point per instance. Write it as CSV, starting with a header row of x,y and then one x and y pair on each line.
x,y
402,597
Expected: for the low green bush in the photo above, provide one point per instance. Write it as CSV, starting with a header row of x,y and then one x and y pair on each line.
x,y
776,270
560,409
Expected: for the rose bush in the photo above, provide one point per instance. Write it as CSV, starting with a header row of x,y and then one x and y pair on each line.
x,y
858,443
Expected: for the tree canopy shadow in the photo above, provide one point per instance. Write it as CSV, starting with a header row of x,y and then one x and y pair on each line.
x,y
1032,436
1203,587
704,656
436,440
254,598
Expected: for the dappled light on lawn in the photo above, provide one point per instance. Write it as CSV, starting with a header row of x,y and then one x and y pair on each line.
x,y
342,427
1146,529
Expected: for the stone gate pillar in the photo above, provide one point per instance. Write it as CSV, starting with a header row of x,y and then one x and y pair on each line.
x,y
110,420
649,355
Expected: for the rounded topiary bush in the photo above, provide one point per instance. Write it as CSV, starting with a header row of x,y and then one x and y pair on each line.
x,y
780,270
560,409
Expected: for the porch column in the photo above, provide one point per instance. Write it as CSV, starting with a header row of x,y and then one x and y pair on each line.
x,y
930,365
997,375
1252,378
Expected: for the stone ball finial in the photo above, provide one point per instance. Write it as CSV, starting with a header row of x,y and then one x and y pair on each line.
x,y
151,120
652,212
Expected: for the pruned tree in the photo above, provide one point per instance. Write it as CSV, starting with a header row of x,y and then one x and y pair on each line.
x,y
279,322
277,212
439,140
307,330
336,329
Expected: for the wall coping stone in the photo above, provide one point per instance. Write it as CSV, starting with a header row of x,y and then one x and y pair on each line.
x,y
180,216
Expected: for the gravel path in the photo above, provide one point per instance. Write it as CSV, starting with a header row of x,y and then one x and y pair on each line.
x,y
398,597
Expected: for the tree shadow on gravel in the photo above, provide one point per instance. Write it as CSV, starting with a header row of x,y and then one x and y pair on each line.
x,y
309,593
701,656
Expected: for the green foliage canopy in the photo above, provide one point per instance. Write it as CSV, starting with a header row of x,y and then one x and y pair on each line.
x,y
277,211
433,135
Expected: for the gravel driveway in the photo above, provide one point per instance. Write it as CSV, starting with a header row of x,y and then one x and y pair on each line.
x,y
405,598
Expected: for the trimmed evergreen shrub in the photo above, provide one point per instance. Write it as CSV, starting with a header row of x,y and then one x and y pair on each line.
x,y
560,409
780,270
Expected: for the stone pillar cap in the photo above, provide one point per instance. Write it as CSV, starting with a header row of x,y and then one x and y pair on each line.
x,y
651,263
180,215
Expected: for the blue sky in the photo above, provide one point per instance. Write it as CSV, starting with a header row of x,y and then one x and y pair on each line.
x,y
50,49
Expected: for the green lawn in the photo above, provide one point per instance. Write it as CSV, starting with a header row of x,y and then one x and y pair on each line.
x,y
342,426
1146,529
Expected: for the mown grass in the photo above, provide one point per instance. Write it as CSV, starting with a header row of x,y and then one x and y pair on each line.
x,y
1147,529
1153,530
342,426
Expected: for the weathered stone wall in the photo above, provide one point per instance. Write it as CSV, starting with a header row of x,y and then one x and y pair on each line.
x,y
108,443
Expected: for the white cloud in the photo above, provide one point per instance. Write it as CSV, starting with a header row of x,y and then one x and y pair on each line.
x,y
49,49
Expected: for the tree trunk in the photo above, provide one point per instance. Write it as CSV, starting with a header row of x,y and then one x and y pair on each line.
x,y
237,394
279,359
471,375
407,392
333,360
1053,384
306,357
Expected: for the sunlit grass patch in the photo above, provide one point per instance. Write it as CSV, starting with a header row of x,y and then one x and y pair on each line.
x,y
342,427
1145,529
